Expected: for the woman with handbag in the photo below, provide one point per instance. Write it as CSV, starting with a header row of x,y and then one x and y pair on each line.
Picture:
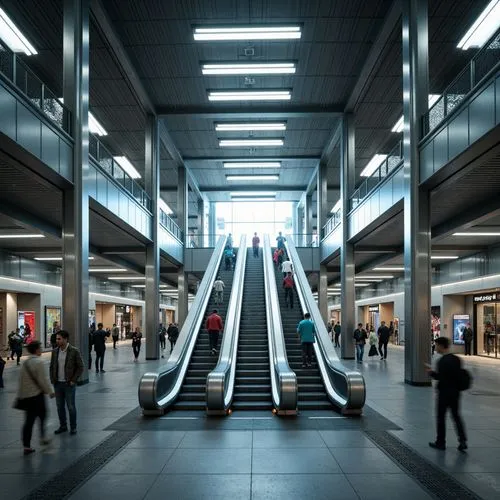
x,y
33,385
373,340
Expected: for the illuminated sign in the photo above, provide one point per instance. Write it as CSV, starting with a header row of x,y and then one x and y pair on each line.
x,y
486,297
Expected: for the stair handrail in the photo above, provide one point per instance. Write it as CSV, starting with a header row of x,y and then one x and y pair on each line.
x,y
345,387
220,381
283,379
158,390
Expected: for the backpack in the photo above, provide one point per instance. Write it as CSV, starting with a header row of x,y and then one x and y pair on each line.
x,y
464,380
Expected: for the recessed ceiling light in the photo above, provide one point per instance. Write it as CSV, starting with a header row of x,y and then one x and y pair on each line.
x,y
252,164
138,286
247,33
361,284
228,143
252,177
478,234
373,164
164,207
20,236
369,280
389,268
126,278
124,162
444,257
398,126
95,127
107,270
250,95
13,37
382,276
248,69
483,27
236,127
336,207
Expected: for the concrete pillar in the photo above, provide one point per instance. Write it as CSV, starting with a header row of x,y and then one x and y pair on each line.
x,y
323,293
347,267
212,224
308,215
322,201
417,230
75,275
182,217
201,222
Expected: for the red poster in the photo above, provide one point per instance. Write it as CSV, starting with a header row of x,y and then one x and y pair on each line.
x,y
27,317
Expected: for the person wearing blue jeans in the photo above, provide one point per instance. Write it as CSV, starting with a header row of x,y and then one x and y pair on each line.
x,y
65,397
360,337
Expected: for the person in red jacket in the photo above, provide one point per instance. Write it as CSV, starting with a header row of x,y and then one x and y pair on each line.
x,y
214,326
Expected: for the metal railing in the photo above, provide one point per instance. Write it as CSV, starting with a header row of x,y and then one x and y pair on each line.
x,y
345,388
220,381
158,390
393,160
483,64
167,222
283,379
332,223
40,96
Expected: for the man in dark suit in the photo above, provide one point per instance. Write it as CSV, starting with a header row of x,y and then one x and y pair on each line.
x,y
99,341
448,375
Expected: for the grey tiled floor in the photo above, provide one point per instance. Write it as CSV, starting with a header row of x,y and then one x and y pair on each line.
x,y
255,463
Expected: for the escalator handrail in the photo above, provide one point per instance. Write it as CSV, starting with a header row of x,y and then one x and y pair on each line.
x,y
157,390
345,387
283,379
220,381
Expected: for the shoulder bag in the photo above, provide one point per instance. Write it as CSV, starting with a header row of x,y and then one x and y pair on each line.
x,y
22,403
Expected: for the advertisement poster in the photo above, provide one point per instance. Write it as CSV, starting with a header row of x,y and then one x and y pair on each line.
x,y
436,321
459,323
52,314
24,317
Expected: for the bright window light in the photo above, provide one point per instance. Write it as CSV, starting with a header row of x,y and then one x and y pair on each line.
x,y
95,127
252,177
237,127
252,164
250,95
164,207
389,268
252,193
13,37
231,143
20,236
254,198
444,257
248,33
48,259
483,27
124,162
248,69
477,234
107,270
336,207
126,278
398,126
373,164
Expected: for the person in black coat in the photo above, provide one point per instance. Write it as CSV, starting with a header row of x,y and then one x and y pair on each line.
x,y
448,375
99,338
383,334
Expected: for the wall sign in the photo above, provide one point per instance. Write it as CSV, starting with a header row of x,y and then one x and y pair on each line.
x,y
486,297
373,309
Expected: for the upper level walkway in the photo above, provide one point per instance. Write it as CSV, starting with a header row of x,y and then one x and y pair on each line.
x,y
118,454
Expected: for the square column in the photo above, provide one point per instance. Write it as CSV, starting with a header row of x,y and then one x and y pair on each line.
x,y
152,181
322,210
308,215
201,222
212,224
182,219
417,228
75,233
347,267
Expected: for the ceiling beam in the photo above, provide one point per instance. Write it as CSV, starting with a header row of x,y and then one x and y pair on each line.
x,y
25,218
123,251
374,58
332,143
312,184
54,251
188,159
368,250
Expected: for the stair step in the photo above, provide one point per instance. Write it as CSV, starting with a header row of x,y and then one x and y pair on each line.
x,y
252,405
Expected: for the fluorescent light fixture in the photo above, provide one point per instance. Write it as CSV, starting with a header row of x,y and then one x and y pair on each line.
x,y
252,177
124,162
126,278
237,127
483,27
361,284
252,164
107,270
250,95
251,193
231,143
444,257
248,33
336,207
389,268
48,259
13,37
478,234
248,69
382,276
95,127
373,164
164,207
138,286
369,280
20,236
398,126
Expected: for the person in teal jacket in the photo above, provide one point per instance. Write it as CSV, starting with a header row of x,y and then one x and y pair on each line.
x,y
307,333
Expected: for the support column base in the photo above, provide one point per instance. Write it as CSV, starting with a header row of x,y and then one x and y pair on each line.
x,y
418,384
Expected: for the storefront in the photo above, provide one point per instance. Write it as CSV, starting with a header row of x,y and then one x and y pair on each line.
x,y
487,324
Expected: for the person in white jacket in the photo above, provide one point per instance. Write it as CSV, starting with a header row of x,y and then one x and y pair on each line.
x,y
219,290
33,385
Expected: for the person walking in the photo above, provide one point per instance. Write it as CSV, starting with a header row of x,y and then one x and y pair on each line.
x,y
33,385
16,345
173,335
255,245
214,326
99,338
228,258
336,334
468,336
2,366
372,341
136,343
115,334
280,241
286,267
307,334
383,334
91,343
66,367
219,291
162,335
448,374
53,337
288,286
360,337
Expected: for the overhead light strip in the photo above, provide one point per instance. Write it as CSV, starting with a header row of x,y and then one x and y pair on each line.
x,y
247,33
20,236
483,27
237,127
223,143
250,95
398,126
252,177
13,37
478,234
124,163
252,164
373,164
248,69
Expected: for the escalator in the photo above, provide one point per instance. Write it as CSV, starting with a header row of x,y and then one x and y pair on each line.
x,y
192,395
311,391
252,389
